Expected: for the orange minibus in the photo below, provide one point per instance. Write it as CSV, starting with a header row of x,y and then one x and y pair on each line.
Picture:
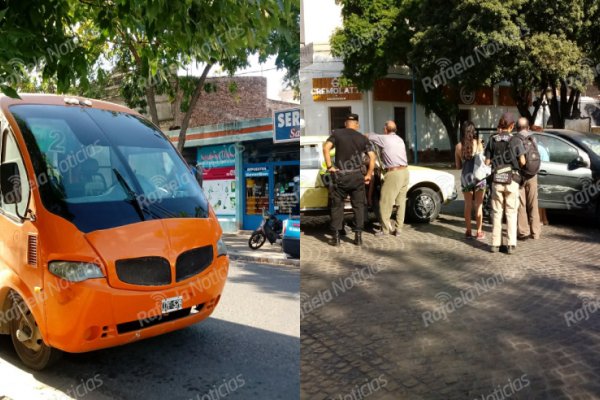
x,y
105,235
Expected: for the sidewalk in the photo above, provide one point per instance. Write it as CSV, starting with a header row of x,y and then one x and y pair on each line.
x,y
237,246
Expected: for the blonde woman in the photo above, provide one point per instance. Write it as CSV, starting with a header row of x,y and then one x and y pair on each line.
x,y
472,189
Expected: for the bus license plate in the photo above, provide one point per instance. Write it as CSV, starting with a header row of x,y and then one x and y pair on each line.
x,y
172,304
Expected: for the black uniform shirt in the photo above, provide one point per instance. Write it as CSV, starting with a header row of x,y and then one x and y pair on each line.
x,y
350,147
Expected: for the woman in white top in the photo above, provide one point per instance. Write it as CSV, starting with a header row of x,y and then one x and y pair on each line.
x,y
473,190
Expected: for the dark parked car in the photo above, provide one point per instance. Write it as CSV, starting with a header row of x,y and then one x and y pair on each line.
x,y
569,178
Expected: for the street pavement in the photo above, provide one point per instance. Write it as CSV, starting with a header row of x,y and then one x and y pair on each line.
x,y
238,249
249,348
431,315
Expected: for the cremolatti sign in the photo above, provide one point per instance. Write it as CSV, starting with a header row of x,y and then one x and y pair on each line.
x,y
330,89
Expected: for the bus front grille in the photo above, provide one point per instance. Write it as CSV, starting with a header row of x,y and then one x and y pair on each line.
x,y
144,271
193,262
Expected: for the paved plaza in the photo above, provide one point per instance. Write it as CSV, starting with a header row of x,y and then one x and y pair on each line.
x,y
431,315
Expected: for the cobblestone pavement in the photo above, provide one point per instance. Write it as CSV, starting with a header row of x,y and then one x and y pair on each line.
x,y
431,315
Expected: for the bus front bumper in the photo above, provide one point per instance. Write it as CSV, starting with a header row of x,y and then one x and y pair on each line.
x,y
91,315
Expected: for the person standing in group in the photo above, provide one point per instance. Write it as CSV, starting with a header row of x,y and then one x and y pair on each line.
x,y
529,225
501,154
348,175
472,189
395,182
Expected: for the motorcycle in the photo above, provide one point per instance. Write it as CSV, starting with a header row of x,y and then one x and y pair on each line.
x,y
270,228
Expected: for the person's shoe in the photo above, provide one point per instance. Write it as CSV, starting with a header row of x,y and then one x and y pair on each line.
x,y
480,235
397,233
343,232
523,237
495,249
379,233
358,238
510,249
336,238
468,235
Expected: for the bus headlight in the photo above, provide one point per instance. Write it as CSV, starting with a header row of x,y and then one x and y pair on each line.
x,y
75,271
221,248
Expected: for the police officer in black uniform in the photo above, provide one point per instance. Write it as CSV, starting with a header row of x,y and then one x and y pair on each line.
x,y
349,175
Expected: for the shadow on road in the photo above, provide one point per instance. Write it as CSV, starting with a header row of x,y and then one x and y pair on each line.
x,y
403,323
185,364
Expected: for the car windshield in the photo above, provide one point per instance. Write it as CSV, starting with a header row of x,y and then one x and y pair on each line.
x,y
593,143
101,169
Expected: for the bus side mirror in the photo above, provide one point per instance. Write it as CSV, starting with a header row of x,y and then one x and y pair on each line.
x,y
10,183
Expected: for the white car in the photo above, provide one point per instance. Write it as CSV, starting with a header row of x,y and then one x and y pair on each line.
x,y
428,188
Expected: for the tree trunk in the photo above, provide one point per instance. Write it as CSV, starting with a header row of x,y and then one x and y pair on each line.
x,y
176,105
558,121
151,99
451,123
188,115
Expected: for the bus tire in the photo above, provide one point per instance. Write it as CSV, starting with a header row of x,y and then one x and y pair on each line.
x,y
33,352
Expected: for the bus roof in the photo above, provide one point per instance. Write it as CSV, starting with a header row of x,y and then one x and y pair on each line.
x,y
61,100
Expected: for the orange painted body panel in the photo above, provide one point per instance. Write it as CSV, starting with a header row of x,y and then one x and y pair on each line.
x,y
83,316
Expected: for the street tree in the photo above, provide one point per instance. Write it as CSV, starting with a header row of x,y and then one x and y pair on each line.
x,y
152,39
464,45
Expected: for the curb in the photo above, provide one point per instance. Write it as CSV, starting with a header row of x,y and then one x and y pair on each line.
x,y
289,262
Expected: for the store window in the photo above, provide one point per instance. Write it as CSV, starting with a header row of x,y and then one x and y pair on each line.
x,y
257,190
287,189
264,151
337,117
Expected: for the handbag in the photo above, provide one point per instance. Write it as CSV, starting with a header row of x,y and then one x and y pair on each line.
x,y
480,169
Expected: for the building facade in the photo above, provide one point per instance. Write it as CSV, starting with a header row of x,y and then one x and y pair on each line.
x,y
325,102
245,170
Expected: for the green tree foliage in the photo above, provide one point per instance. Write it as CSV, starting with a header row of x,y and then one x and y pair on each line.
x,y
144,42
38,37
451,45
151,39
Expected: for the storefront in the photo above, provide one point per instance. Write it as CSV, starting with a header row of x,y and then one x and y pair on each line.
x,y
248,166
219,183
270,181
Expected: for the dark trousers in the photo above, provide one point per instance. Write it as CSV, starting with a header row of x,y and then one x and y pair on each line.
x,y
352,184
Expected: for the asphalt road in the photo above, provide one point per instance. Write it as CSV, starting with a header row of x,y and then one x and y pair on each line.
x,y
249,348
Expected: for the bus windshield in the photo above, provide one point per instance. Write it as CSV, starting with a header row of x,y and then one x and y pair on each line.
x,y
101,169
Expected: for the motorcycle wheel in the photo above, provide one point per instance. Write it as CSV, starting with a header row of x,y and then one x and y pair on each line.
x,y
256,240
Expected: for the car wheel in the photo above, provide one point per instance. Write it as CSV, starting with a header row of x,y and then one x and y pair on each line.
x,y
424,205
27,338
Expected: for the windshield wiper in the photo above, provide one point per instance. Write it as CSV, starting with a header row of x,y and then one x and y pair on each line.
x,y
132,195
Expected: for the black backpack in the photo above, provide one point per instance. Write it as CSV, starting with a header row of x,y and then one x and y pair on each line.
x,y
532,156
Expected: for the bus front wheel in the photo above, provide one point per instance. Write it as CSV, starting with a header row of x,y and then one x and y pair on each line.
x,y
27,338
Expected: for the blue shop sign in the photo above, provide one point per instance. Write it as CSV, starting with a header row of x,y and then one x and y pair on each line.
x,y
286,126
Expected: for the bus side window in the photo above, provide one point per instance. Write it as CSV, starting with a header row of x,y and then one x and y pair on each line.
x,y
10,153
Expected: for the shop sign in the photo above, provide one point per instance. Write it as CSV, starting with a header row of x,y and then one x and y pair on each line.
x,y
330,89
287,126
221,155
252,172
218,173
